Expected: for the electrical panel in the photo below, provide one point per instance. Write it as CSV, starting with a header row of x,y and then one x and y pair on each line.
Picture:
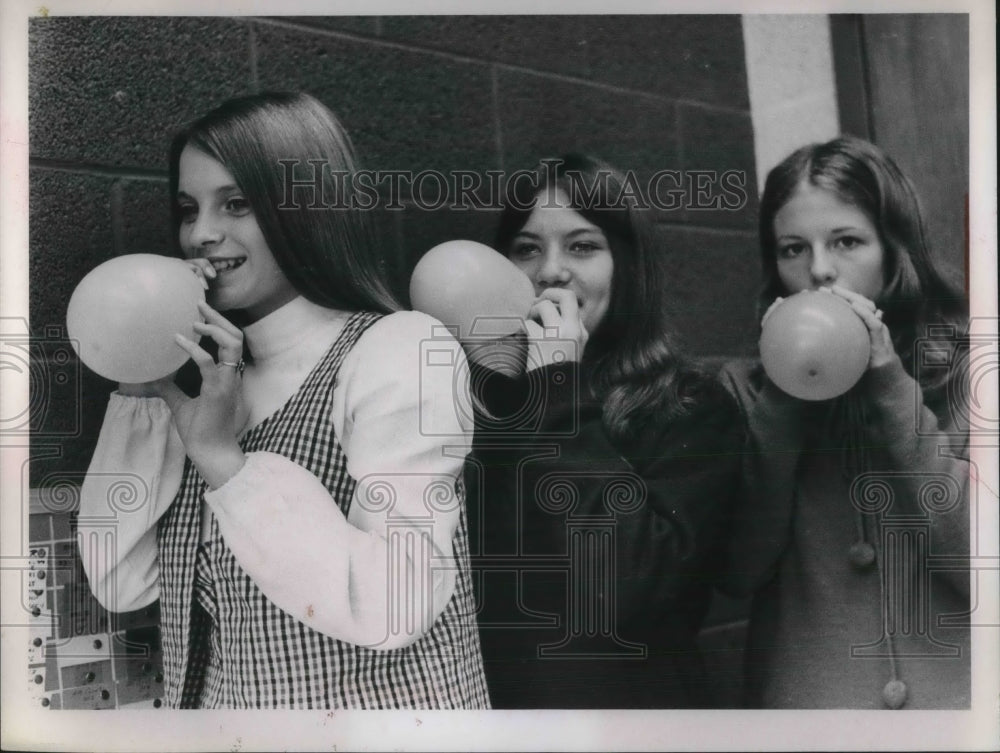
x,y
80,656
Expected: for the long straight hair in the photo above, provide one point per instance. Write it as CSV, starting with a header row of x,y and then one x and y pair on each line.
x,y
325,250
632,358
916,297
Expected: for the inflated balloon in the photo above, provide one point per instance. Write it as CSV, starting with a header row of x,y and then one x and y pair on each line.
x,y
814,346
472,287
124,314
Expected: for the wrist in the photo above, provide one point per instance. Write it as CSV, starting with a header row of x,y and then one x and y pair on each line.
x,y
217,464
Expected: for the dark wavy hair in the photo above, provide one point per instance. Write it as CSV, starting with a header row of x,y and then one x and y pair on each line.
x,y
916,297
328,255
632,359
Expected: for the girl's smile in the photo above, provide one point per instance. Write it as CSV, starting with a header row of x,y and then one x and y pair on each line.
x,y
218,224
559,247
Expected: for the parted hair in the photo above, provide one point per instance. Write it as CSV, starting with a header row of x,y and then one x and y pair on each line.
x,y
632,359
327,253
916,297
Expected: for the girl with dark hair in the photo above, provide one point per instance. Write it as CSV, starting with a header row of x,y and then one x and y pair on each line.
x,y
848,501
603,462
305,537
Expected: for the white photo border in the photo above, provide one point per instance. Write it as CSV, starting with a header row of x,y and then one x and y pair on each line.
x,y
27,727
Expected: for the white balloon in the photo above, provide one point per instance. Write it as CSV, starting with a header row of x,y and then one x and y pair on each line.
x,y
814,346
123,316
470,286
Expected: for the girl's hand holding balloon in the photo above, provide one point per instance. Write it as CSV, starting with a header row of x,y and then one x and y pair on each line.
x,y
882,351
556,309
209,424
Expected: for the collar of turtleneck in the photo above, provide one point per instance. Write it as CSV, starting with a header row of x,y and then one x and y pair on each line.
x,y
286,329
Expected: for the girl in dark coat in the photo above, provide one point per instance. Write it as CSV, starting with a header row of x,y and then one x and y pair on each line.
x,y
603,463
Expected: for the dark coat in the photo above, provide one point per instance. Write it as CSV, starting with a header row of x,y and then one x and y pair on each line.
x,y
595,558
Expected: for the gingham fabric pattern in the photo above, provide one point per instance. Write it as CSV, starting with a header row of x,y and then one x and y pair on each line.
x,y
231,647
204,592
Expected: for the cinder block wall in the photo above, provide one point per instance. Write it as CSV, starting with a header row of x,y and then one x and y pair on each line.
x,y
443,93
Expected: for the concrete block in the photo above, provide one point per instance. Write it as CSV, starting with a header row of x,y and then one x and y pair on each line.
x,y
719,143
403,110
69,234
545,117
113,90
684,57
142,218
701,264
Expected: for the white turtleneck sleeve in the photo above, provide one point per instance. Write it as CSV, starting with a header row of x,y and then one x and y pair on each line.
x,y
134,475
380,576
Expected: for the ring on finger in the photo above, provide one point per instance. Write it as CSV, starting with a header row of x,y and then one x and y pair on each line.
x,y
238,365
878,314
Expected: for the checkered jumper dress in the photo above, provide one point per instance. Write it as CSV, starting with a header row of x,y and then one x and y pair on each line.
x,y
225,644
